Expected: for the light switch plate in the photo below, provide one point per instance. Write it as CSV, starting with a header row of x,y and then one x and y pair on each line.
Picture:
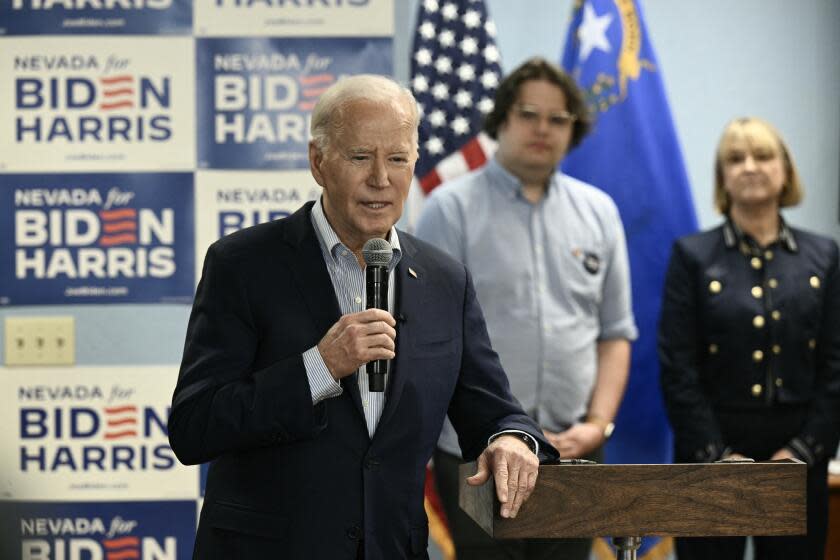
x,y
41,341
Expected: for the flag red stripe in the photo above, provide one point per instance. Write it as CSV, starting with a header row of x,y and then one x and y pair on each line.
x,y
474,154
430,181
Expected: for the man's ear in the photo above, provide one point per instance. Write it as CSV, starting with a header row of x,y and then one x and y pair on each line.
x,y
316,158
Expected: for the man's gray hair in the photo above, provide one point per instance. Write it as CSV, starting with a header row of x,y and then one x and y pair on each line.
x,y
328,115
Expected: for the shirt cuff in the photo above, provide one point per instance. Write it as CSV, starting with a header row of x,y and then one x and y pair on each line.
x,y
620,329
321,383
529,440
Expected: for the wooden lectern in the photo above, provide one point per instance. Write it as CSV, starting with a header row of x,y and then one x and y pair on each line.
x,y
628,502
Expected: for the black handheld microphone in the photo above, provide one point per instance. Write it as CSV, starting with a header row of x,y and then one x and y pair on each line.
x,y
377,254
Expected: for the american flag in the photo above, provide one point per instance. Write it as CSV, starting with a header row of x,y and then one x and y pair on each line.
x,y
455,70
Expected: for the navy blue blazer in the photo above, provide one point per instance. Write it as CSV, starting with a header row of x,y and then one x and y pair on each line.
x,y
747,328
293,480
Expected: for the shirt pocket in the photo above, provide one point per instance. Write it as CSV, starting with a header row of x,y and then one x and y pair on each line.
x,y
581,273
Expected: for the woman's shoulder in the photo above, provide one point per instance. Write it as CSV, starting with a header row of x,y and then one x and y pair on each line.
x,y
701,241
815,247
808,237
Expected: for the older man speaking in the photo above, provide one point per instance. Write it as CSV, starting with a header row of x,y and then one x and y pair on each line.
x,y
308,461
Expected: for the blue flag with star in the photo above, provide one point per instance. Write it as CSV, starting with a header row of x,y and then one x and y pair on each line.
x,y
634,156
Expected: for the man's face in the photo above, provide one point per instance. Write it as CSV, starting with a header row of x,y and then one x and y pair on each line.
x,y
366,170
538,129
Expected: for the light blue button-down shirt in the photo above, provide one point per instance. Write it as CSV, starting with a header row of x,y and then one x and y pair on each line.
x,y
348,280
552,279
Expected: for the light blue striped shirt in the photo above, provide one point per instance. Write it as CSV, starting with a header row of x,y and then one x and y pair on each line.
x,y
348,280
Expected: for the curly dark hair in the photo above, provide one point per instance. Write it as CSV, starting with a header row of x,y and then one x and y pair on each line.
x,y
538,68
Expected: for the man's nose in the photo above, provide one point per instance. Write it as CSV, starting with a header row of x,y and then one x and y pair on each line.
x,y
543,124
378,173
749,163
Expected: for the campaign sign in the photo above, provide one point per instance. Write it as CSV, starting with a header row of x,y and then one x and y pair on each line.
x,y
301,18
97,104
258,95
89,17
97,530
105,238
90,433
227,201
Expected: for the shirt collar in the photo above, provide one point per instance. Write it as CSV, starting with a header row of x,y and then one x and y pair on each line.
x,y
734,236
331,244
510,184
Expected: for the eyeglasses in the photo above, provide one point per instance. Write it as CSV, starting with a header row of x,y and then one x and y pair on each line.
x,y
529,114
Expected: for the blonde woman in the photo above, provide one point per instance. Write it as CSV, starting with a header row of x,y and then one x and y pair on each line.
x,y
749,337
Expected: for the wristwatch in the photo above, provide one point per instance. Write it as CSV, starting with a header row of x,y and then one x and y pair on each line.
x,y
602,423
527,438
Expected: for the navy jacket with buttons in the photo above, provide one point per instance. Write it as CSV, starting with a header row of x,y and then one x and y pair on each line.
x,y
744,326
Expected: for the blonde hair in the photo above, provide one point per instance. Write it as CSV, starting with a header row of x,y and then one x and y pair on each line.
x,y
328,114
756,132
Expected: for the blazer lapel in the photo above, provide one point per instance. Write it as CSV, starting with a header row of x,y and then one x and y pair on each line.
x,y
410,280
314,284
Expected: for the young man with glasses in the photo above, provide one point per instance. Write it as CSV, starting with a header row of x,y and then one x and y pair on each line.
x,y
549,260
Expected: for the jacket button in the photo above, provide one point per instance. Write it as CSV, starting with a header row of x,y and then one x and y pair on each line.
x,y
758,355
779,382
815,282
773,283
354,533
755,262
768,255
776,314
758,321
757,292
715,287
812,343
777,349
713,348
756,390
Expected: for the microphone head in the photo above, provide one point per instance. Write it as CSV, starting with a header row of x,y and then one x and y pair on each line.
x,y
377,252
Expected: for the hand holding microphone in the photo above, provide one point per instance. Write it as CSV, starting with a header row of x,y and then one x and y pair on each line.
x,y
367,337
377,254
